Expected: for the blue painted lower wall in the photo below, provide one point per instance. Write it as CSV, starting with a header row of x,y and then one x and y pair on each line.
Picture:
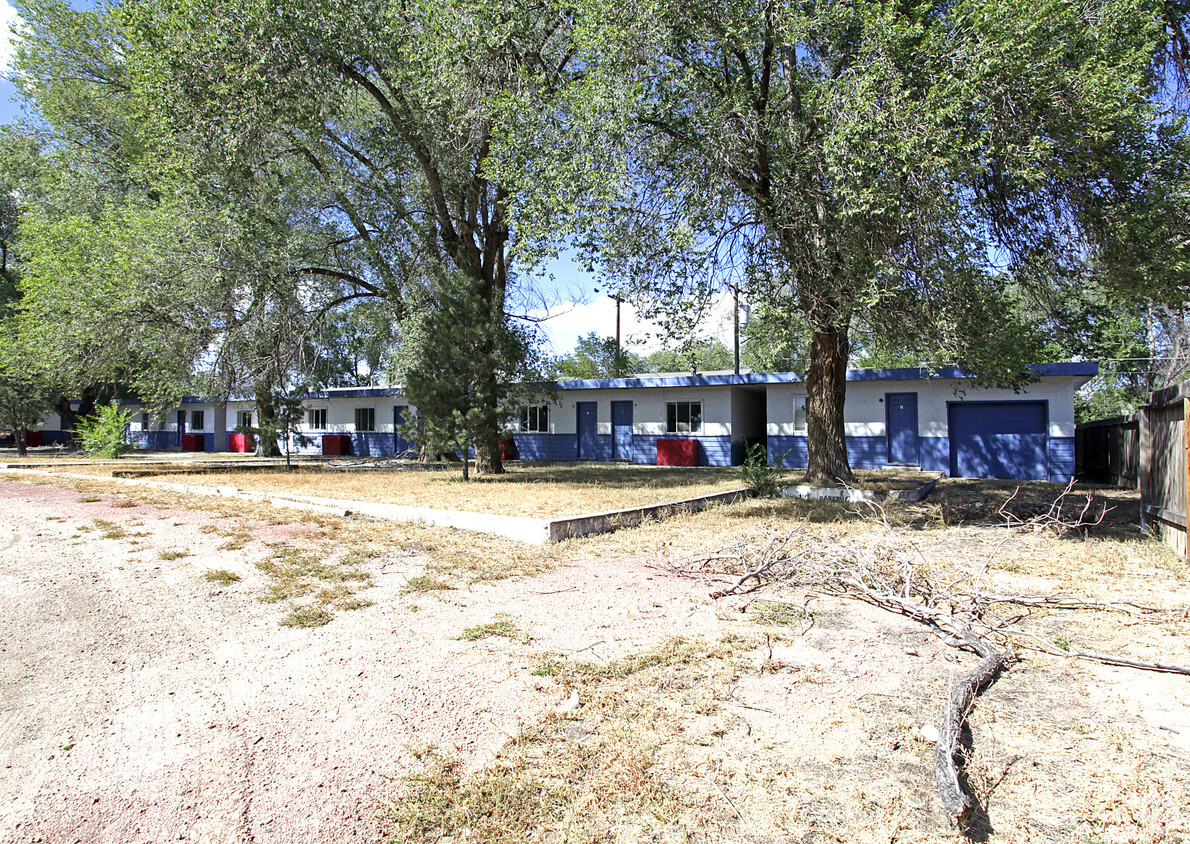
x,y
1061,459
862,452
934,453
372,444
154,440
867,452
712,450
789,452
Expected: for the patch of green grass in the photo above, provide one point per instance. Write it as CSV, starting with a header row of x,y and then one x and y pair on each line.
x,y
548,666
111,530
174,555
309,615
771,612
236,540
1061,642
425,583
502,626
299,573
501,806
221,576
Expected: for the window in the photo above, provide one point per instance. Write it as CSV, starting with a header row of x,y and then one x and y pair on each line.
x,y
244,419
800,416
316,418
535,420
144,421
683,417
197,419
365,419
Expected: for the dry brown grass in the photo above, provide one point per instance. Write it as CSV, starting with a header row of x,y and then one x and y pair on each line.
x,y
532,490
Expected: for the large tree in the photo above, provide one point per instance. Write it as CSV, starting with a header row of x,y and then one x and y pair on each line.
x,y
399,109
894,160
215,272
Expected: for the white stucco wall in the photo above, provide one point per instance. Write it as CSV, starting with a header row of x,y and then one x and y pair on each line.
x,y
648,409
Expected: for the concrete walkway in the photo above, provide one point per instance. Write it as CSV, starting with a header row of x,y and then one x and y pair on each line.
x,y
535,531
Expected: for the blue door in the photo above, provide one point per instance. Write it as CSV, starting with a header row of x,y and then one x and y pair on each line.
x,y
588,442
901,420
998,439
621,430
402,445
181,426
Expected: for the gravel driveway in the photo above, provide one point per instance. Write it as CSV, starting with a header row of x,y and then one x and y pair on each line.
x,y
142,703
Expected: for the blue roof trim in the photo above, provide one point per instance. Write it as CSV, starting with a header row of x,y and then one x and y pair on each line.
x,y
345,393
1081,369
756,378
682,381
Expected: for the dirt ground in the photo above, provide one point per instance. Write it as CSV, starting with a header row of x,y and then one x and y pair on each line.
x,y
144,702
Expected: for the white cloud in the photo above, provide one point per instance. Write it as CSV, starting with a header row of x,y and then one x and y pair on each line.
x,y
573,320
8,19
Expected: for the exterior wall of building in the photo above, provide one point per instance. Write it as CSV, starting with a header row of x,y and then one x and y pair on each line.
x,y
866,429
648,424
735,409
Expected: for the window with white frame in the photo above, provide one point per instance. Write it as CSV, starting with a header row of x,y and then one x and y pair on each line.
x,y
197,420
365,419
244,419
800,416
316,418
535,420
144,421
683,417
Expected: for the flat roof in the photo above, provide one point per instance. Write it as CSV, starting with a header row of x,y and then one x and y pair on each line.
x,y
728,379
1083,371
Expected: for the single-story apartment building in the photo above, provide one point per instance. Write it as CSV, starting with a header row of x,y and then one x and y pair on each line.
x,y
936,419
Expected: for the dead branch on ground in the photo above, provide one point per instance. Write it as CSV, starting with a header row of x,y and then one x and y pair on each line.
x,y
887,574
1059,518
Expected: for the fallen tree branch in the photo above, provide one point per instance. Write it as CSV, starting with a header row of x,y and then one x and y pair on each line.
x,y
1059,602
1108,659
947,766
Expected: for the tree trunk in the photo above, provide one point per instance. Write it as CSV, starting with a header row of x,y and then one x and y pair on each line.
x,y
70,417
266,420
22,443
487,440
826,391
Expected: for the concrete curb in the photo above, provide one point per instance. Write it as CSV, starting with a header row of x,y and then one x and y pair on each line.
x,y
827,493
914,496
577,526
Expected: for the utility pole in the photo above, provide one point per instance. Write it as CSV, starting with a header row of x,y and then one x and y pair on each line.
x,y
618,299
735,315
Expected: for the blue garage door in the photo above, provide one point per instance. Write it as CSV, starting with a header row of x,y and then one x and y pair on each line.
x,y
998,439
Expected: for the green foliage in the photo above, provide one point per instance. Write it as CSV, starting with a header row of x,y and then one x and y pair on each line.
x,y
700,354
106,433
280,415
775,338
884,165
758,473
464,356
597,357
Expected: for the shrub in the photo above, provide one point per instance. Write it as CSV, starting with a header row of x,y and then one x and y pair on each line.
x,y
761,477
106,433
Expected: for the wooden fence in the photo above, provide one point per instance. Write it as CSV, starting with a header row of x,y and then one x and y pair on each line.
x,y
1107,451
1164,465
